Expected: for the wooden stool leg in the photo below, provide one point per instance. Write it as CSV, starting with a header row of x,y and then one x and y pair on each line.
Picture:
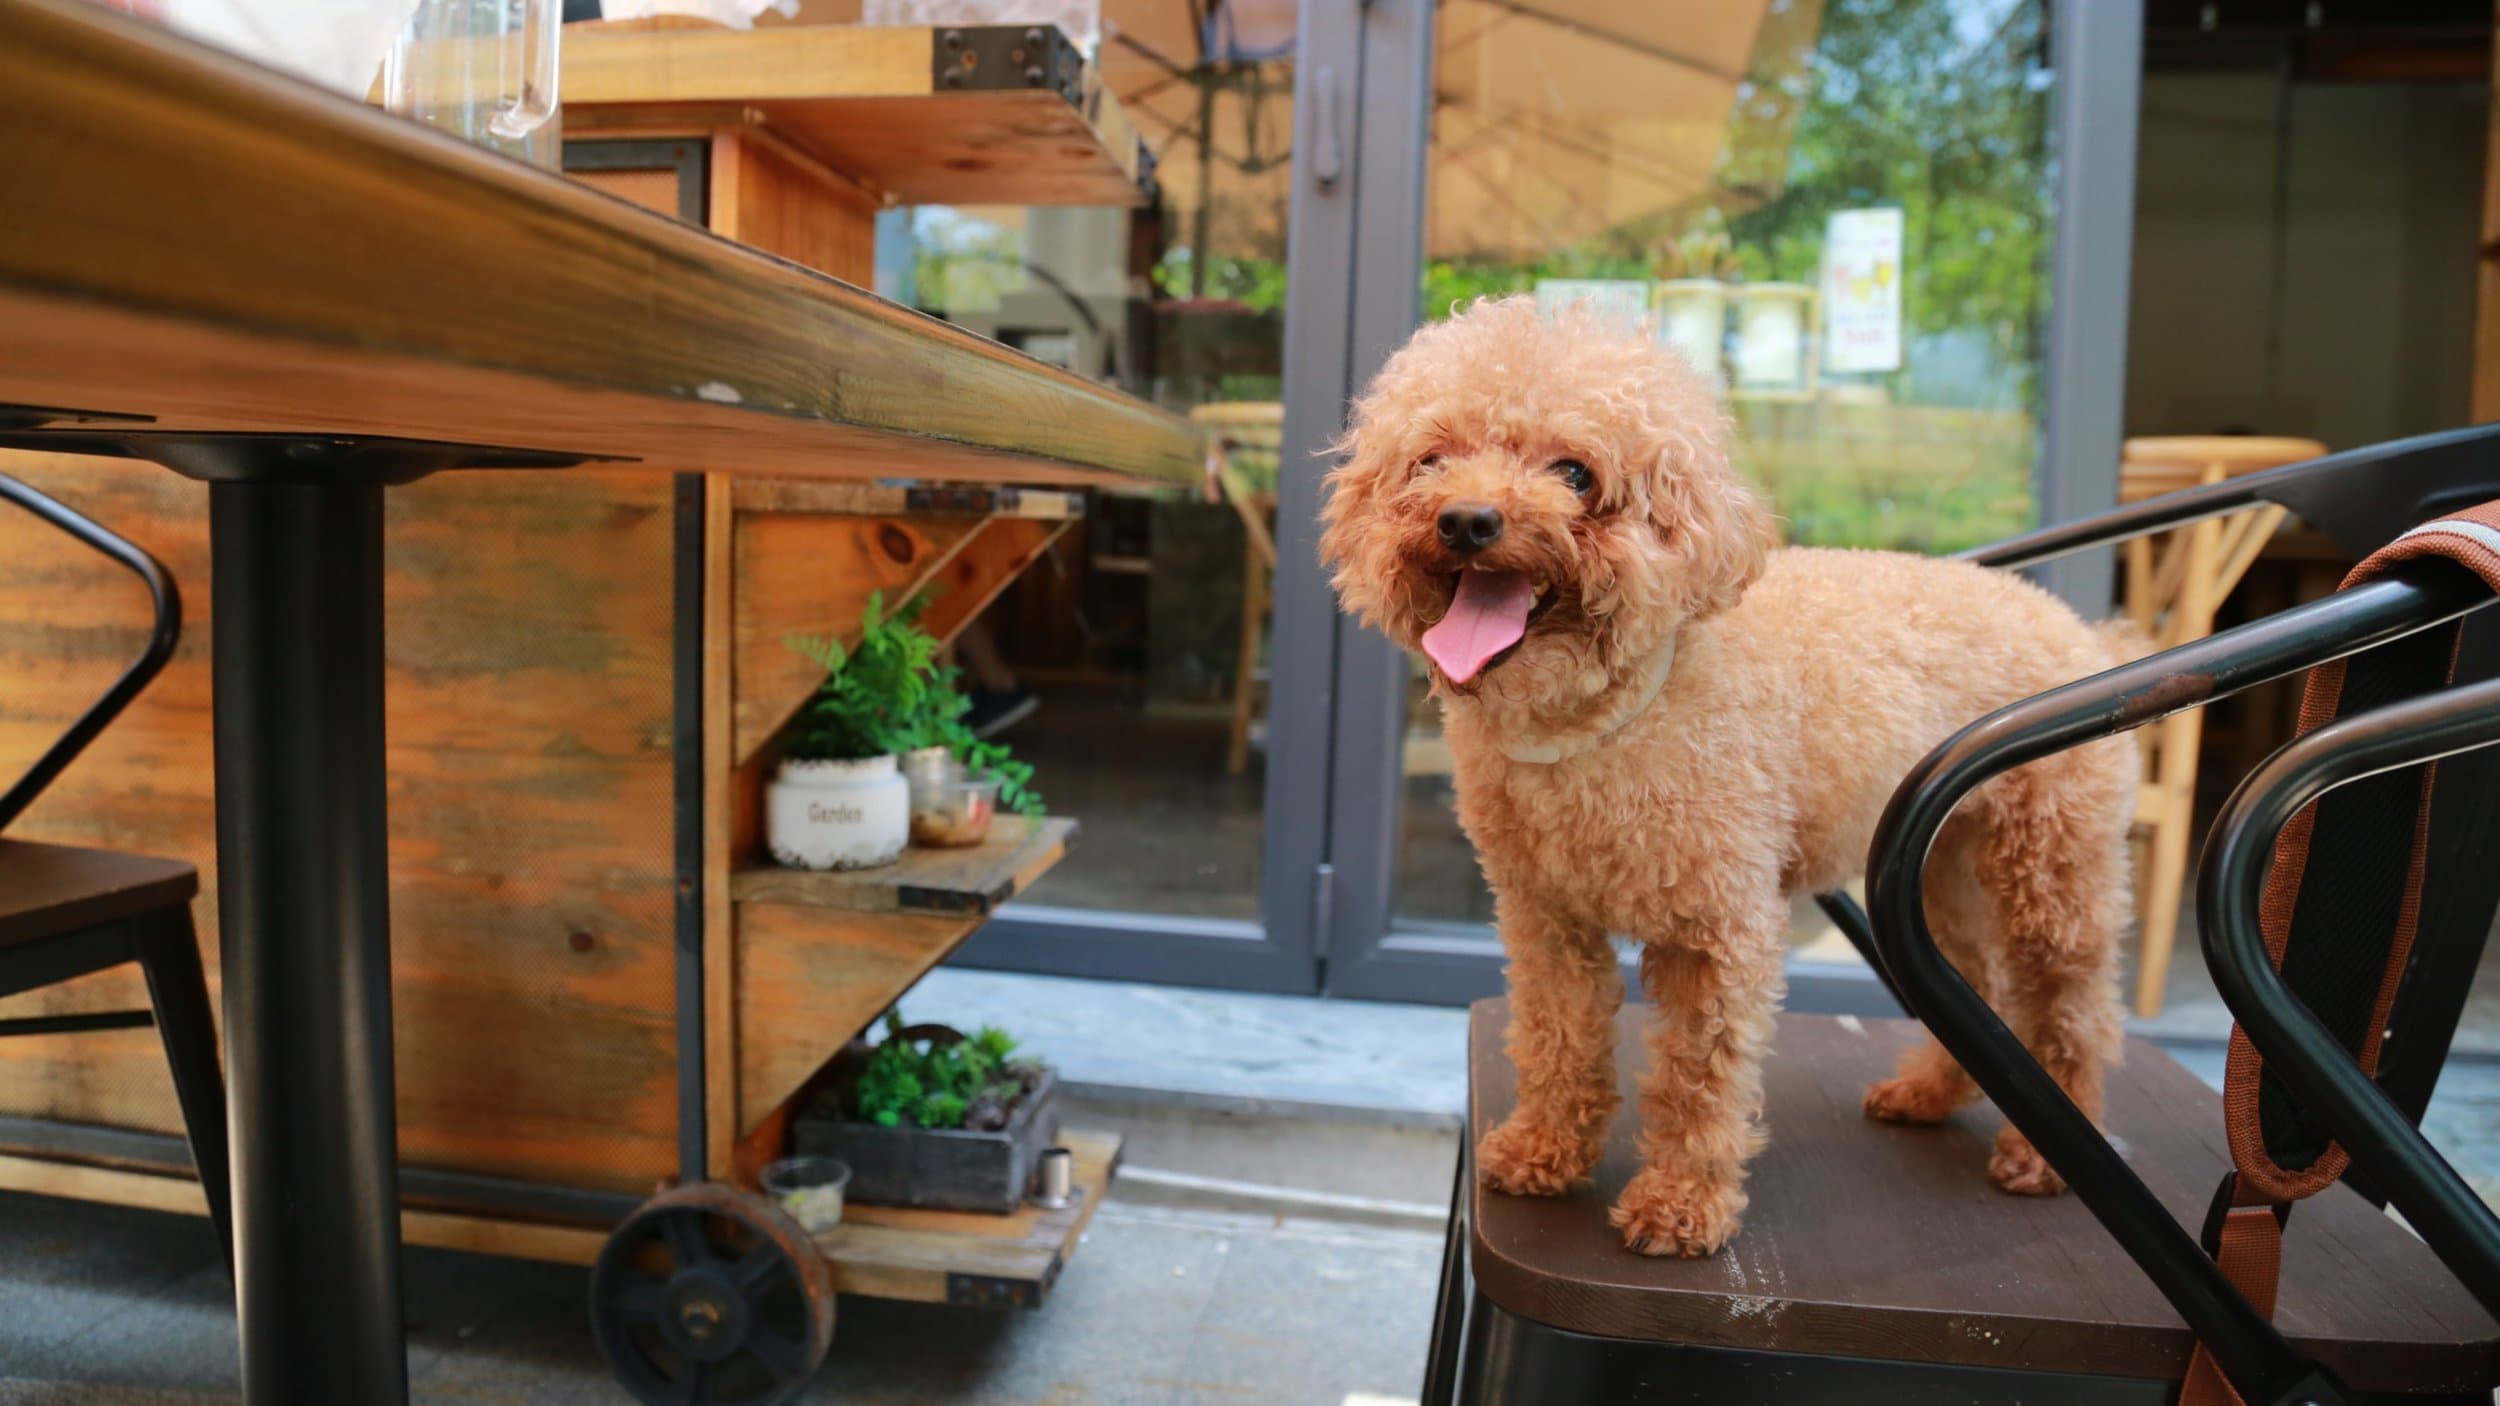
x,y
2175,757
169,953
1246,665
2164,885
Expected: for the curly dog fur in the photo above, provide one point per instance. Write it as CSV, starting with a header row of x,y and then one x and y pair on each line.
x,y
1803,685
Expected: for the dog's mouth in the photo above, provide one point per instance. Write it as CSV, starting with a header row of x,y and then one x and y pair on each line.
x,y
1488,618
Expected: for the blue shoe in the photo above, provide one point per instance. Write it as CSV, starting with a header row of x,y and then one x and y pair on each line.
x,y
994,710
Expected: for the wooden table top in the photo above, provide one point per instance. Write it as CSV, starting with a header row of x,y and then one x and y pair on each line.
x,y
1877,1241
197,240
918,115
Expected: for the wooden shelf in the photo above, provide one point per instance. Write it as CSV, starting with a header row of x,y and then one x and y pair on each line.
x,y
969,882
875,103
963,1258
899,499
336,270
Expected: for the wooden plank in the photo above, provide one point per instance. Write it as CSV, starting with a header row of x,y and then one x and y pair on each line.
x,y
722,798
863,99
559,1244
899,1253
1903,1251
887,499
768,197
808,979
532,871
808,575
969,882
654,189
607,64
995,556
487,301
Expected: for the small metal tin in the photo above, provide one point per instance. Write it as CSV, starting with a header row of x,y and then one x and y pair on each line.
x,y
1054,1179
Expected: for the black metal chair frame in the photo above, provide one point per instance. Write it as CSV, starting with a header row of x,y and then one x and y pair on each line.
x,y
163,942
2361,499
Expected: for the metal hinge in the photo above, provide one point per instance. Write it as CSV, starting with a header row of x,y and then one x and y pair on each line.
x,y
1323,908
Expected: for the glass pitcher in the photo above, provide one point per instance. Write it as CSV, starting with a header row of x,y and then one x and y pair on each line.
x,y
483,70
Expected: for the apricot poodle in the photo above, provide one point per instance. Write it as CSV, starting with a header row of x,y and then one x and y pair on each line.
x,y
1664,728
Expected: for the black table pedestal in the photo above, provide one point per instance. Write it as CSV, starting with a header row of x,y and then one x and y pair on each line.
x,y
303,877
304,921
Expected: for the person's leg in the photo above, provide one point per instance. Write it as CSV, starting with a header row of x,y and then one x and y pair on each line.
x,y
999,701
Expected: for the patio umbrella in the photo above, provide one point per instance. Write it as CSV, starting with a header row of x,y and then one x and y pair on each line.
x,y
1554,120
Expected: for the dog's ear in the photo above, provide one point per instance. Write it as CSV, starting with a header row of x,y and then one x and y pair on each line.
x,y
1707,517
1365,458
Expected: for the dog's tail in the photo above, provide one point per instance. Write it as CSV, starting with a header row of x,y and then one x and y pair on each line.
x,y
2126,640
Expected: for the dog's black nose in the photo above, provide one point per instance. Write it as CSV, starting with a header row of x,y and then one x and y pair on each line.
x,y
1470,527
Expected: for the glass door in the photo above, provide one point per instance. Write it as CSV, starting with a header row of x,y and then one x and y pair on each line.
x,y
1847,212
1141,667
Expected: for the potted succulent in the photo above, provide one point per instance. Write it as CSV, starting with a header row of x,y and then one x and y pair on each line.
x,y
838,800
932,1117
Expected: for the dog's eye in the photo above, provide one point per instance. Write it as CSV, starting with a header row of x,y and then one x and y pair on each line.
x,y
1574,474
1428,463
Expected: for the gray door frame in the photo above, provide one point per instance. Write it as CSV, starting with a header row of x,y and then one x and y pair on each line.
x,y
1364,949
1324,248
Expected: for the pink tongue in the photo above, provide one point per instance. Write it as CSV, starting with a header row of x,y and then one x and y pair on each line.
x,y
1487,616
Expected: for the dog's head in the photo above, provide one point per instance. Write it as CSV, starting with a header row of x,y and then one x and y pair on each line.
x,y
1537,503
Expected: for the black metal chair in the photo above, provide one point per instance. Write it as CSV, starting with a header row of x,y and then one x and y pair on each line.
x,y
1877,1266
66,912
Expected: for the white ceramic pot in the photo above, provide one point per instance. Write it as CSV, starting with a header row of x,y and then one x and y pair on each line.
x,y
837,815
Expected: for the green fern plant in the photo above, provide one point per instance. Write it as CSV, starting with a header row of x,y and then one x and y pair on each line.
x,y
887,694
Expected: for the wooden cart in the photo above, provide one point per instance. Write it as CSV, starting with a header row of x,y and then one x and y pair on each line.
x,y
597,993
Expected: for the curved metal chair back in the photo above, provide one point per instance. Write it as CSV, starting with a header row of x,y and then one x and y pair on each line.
x,y
167,632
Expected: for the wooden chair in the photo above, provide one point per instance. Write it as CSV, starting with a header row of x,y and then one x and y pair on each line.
x,y
67,912
1878,1265
2174,586
1244,442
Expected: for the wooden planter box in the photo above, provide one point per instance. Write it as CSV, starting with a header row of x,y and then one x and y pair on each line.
x,y
950,1170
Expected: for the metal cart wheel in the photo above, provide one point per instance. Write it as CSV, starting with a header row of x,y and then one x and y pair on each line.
x,y
709,1296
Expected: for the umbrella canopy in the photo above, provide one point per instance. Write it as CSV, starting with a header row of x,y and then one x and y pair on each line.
x,y
1554,121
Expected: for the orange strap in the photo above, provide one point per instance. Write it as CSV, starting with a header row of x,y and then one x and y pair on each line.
x,y
2249,1249
2251,1257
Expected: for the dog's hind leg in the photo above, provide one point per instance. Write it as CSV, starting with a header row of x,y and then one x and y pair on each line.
x,y
1564,991
2055,862
1701,1104
1929,1084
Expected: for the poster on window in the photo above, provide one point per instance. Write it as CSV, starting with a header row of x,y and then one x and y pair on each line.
x,y
1862,291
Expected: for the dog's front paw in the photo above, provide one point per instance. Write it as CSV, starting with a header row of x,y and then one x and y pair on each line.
x,y
1531,1161
2018,1167
1663,1212
1908,1098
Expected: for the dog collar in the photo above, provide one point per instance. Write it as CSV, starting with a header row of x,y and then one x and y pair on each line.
x,y
1548,753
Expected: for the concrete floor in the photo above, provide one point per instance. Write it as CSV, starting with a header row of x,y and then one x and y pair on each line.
x,y
101,1306
1250,1257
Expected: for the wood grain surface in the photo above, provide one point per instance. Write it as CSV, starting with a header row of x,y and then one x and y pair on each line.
x,y
968,882
529,710
337,270
863,100
1879,1241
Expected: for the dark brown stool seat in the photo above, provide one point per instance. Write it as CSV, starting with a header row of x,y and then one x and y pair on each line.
x,y
46,890
1879,1262
66,912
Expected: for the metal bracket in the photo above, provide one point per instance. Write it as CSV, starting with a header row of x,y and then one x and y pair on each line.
x,y
32,417
217,456
991,1291
997,58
